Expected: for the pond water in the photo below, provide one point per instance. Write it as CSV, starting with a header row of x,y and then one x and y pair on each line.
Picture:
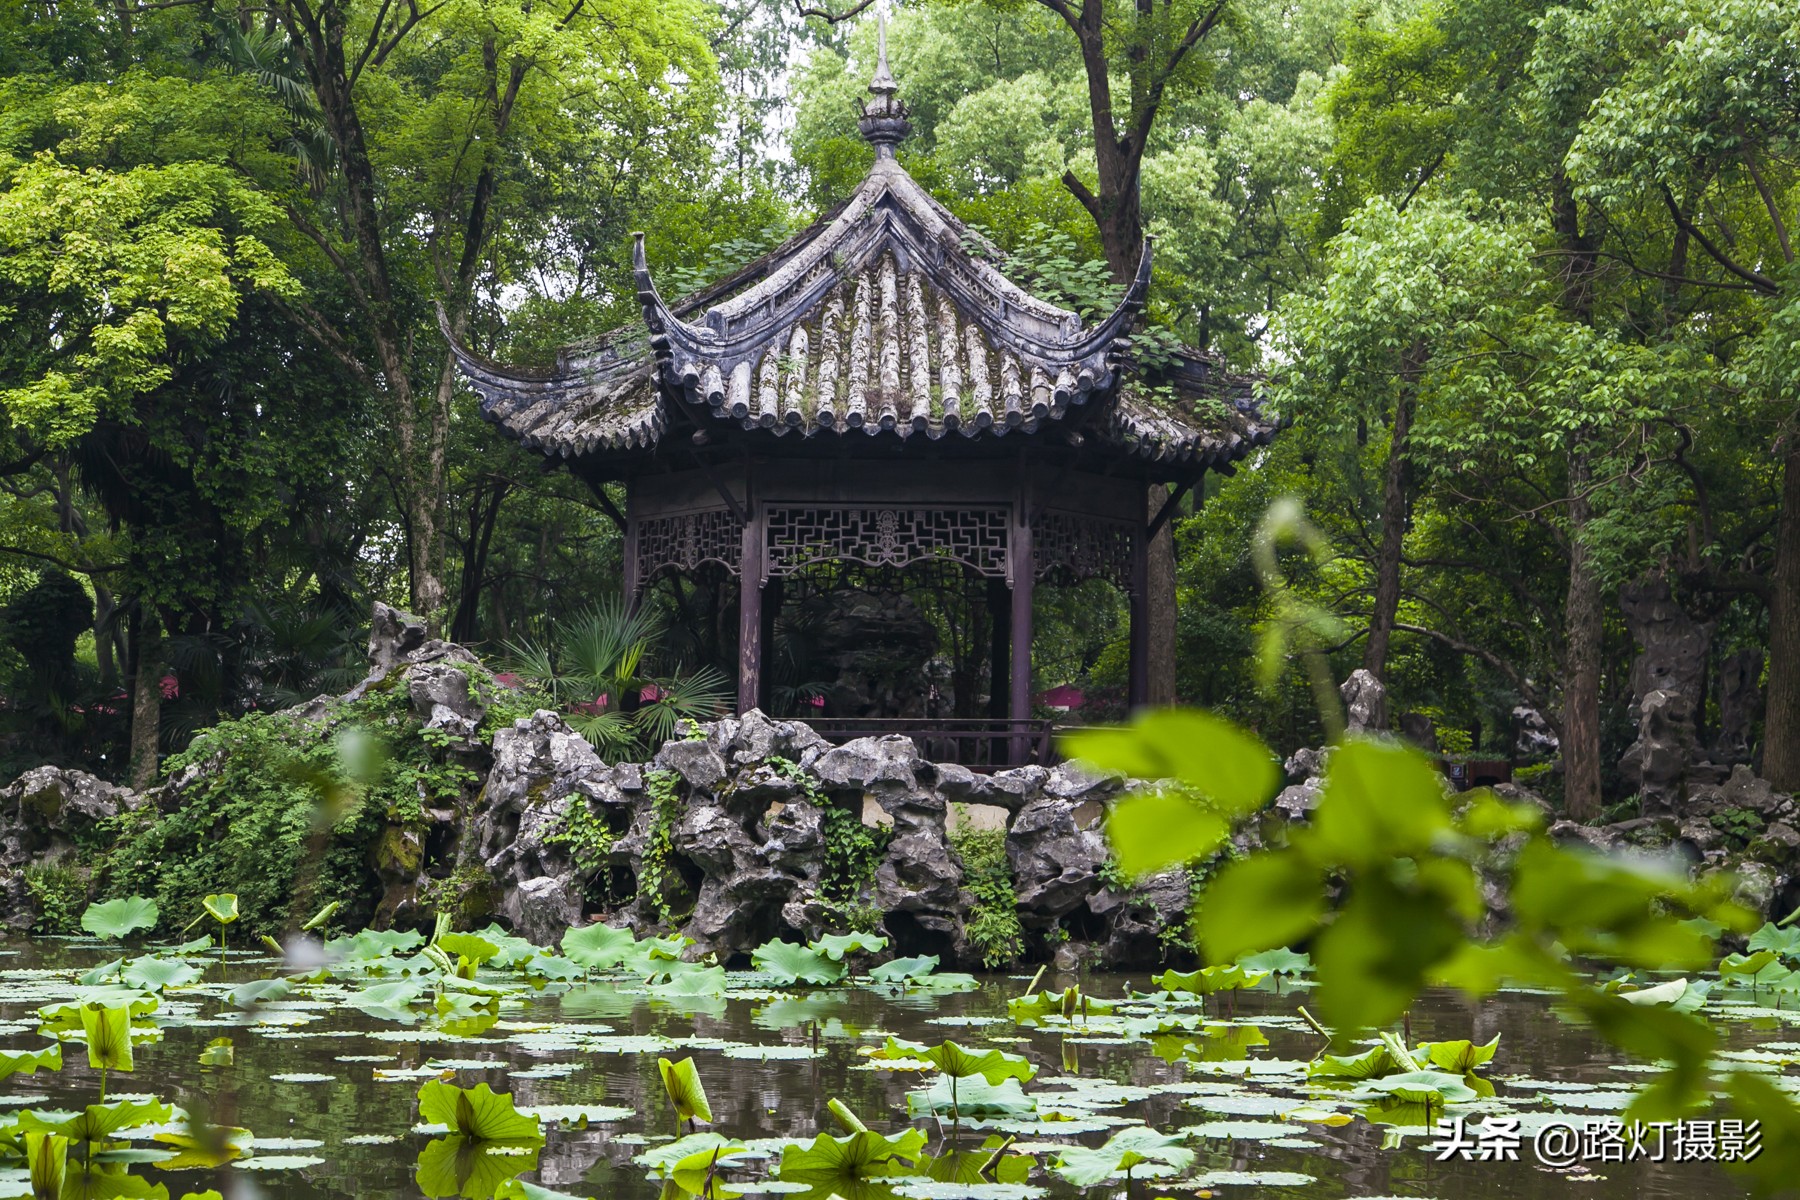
x,y
330,1090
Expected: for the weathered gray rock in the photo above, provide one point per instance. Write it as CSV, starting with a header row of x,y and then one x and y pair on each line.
x,y
1056,864
1139,920
441,685
42,812
1740,704
699,765
867,763
1365,703
1533,737
1673,647
1657,763
393,635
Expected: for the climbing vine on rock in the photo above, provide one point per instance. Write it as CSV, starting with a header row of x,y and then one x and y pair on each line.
x,y
653,867
993,924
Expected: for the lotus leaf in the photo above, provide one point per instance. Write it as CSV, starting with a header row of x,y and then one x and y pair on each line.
x,y
98,1122
107,1029
681,1080
1122,1154
839,1162
478,1113
456,1165
960,1063
836,946
116,918
970,1098
904,969
221,907
154,974
1459,1057
1208,980
598,947
30,1062
791,963
1421,1087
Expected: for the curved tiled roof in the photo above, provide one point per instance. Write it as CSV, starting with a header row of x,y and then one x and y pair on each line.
x,y
886,317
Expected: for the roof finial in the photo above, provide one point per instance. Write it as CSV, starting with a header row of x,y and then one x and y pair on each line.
x,y
883,122
883,83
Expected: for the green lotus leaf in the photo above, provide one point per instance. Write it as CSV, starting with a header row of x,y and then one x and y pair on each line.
x,y
1785,942
836,945
473,1168
47,1159
1420,1087
98,1122
791,963
512,951
208,1149
707,981
30,1062
154,974
1373,1062
697,1172
518,1189
598,947
1459,1057
116,918
467,945
478,1113
970,1099
901,970
108,1181
662,1158
1670,993
961,1063
373,943
107,1029
681,1080
840,1162
1208,980
218,1053
1071,1003
221,907
552,967
1279,961
1123,1154
260,991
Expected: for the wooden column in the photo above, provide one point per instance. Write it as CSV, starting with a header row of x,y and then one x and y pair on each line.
x,y
1024,568
772,593
1137,691
629,565
750,604
999,603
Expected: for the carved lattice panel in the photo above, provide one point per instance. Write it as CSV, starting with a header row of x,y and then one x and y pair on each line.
x,y
887,537
682,543
1073,548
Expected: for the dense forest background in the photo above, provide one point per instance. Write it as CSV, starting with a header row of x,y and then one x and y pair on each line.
x,y
1520,275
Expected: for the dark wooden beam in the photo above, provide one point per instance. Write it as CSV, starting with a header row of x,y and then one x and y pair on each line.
x,y
737,510
1167,510
750,622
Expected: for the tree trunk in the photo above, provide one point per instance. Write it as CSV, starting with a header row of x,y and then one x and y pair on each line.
x,y
1161,607
1584,628
1781,721
146,699
1395,508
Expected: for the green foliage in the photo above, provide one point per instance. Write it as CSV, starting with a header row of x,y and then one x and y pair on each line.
x,y
1138,1149
992,924
653,867
681,1082
57,891
588,837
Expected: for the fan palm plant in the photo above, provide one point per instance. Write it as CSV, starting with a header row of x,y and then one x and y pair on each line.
x,y
595,667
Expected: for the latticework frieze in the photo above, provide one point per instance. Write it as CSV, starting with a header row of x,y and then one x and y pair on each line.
x,y
887,537
1071,548
684,542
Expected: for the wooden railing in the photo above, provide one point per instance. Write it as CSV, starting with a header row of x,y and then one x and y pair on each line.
x,y
979,743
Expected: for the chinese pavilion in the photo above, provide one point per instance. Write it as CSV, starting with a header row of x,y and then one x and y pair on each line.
x,y
876,392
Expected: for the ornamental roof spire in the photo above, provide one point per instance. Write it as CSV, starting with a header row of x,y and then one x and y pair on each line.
x,y
883,122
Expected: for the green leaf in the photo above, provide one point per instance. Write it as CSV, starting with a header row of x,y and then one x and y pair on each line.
x,y
154,974
836,945
597,947
47,1159
1280,961
1459,1057
470,1167
682,1082
107,1029
1432,1088
840,1162
1227,765
1208,980
1071,1003
900,970
116,918
1262,902
961,1063
1375,1061
260,991
973,1098
697,1172
1153,831
1379,800
791,963
478,1113
30,1062
221,907
519,1189
1121,1155
467,945
98,1122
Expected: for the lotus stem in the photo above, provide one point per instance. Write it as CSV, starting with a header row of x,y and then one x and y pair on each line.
x,y
1314,1023
1031,987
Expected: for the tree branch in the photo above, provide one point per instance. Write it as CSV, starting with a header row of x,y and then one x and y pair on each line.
x,y
1755,279
829,17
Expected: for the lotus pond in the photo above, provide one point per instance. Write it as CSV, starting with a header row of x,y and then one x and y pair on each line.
x,y
477,1065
